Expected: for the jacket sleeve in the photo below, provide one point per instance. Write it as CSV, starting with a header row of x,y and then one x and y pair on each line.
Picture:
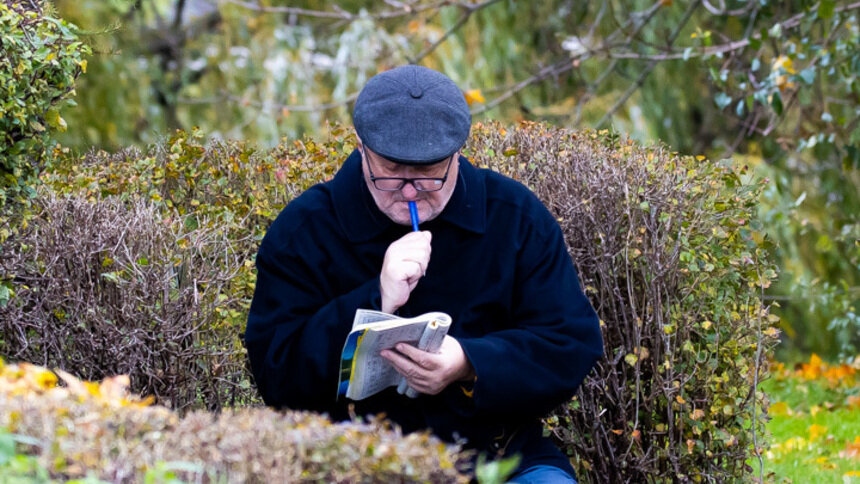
x,y
539,362
296,329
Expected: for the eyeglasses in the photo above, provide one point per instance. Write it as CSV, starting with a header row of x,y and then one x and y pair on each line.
x,y
393,184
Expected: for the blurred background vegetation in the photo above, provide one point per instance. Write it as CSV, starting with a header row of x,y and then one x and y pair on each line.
x,y
773,84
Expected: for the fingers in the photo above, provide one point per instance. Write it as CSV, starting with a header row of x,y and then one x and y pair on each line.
x,y
425,372
421,358
413,372
405,262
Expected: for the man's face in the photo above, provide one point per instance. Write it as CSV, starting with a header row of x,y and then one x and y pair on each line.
x,y
395,204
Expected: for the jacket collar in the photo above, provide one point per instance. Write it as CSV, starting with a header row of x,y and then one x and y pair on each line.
x,y
362,220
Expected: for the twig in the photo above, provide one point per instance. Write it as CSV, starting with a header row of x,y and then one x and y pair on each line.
x,y
755,376
469,10
341,14
650,67
732,13
180,7
649,14
272,106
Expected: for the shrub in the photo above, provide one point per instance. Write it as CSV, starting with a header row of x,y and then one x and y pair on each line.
x,y
667,247
99,430
112,288
670,254
41,60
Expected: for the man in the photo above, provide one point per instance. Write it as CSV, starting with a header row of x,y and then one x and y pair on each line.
x,y
489,254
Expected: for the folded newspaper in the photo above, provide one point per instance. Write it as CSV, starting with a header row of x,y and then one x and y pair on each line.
x,y
363,372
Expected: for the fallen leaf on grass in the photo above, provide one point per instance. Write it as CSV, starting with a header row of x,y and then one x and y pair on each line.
x,y
779,409
816,431
852,450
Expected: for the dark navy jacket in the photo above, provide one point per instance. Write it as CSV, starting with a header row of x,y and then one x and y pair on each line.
x,y
499,267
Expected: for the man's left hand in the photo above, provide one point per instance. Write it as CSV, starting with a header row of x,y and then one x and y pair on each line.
x,y
427,372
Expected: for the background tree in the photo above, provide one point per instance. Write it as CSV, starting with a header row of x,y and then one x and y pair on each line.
x,y
771,83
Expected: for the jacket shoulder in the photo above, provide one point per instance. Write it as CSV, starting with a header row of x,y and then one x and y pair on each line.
x,y
313,207
514,198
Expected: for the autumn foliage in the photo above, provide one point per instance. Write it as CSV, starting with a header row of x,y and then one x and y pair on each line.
x,y
814,419
163,242
100,430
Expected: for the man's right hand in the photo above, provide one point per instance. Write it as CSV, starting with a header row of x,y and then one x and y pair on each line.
x,y
405,263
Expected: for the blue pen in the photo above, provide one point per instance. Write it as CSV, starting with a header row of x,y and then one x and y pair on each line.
x,y
413,213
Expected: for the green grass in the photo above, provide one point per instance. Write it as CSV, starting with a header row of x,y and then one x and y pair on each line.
x,y
808,430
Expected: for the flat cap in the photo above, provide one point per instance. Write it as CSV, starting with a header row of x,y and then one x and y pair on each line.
x,y
412,115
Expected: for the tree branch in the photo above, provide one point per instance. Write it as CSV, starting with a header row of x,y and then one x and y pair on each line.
x,y
649,14
225,96
180,8
343,14
557,68
650,67
469,10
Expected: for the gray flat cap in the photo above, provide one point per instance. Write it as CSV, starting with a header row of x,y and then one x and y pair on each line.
x,y
412,115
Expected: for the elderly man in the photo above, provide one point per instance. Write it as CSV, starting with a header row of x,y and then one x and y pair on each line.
x,y
489,254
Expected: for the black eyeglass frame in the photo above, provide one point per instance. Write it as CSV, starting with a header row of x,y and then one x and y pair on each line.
x,y
403,181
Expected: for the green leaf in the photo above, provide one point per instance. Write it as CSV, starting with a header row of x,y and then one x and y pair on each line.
x,y
826,8
5,295
7,446
808,75
755,43
776,103
497,471
36,126
722,100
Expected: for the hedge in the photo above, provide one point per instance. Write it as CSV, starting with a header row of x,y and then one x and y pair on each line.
x,y
99,430
667,246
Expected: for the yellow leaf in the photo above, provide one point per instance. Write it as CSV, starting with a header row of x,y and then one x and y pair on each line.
x,y
697,414
474,96
700,157
631,359
53,118
816,431
784,63
779,408
83,64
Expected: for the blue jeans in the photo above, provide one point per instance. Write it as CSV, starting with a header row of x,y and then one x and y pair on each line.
x,y
542,474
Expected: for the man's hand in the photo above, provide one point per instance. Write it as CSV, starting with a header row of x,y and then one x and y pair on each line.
x,y
428,372
405,263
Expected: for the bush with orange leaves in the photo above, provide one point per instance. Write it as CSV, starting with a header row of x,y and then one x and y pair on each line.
x,y
99,429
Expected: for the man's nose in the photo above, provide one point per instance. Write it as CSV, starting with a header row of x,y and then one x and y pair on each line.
x,y
408,191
